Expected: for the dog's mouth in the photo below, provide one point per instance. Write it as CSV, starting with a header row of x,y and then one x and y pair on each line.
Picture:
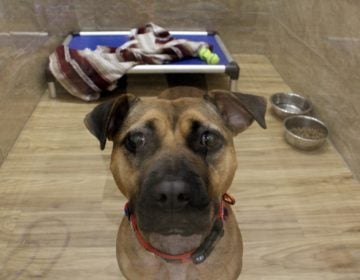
x,y
175,235
185,222
183,231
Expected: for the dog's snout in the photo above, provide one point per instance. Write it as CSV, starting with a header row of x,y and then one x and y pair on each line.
x,y
169,203
173,197
172,194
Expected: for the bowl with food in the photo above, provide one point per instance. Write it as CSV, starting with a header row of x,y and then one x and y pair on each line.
x,y
305,132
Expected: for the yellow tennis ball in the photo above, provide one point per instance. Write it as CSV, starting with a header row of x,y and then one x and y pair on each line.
x,y
208,56
213,59
201,52
204,53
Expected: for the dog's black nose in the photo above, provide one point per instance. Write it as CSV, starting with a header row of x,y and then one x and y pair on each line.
x,y
172,195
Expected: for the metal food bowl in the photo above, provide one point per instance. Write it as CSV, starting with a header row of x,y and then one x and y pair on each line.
x,y
289,104
305,132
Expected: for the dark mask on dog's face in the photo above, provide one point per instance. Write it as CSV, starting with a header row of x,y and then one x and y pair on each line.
x,y
169,154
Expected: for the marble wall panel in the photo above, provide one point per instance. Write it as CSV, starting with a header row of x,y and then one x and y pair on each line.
x,y
19,15
328,27
22,82
2,16
236,19
55,17
60,17
245,33
113,15
315,47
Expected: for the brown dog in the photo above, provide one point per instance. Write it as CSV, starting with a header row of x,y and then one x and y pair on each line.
x,y
173,158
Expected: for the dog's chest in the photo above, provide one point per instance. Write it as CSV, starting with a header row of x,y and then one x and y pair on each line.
x,y
181,272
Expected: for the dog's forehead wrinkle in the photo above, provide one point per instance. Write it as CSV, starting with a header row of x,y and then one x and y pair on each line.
x,y
149,116
173,115
173,111
196,120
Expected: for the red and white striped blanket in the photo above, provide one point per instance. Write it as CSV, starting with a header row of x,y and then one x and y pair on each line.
x,y
86,73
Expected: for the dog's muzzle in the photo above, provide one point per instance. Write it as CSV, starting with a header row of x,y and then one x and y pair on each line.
x,y
173,199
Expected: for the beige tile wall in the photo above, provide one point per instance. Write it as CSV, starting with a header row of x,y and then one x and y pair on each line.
x,y
22,81
315,46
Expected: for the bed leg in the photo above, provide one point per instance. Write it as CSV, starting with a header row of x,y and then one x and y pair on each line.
x,y
233,85
51,83
233,71
52,89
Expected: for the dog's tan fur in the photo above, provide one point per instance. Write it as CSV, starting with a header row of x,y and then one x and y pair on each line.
x,y
172,114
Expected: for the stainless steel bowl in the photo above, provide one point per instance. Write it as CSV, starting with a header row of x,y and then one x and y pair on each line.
x,y
289,104
305,132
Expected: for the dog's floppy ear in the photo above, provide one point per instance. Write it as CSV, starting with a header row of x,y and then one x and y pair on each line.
x,y
239,110
106,118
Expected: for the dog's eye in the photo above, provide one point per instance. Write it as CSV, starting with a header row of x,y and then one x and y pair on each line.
x,y
204,140
134,141
210,140
207,139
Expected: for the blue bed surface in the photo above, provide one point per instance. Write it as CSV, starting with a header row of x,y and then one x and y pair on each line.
x,y
80,42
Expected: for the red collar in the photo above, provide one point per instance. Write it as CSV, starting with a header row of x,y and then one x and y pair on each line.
x,y
198,255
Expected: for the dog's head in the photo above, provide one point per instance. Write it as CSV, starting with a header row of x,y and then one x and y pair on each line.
x,y
173,157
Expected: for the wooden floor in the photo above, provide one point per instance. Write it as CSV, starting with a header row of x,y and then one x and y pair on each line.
x,y
299,212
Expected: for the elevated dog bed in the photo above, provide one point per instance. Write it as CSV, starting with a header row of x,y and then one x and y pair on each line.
x,y
114,39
